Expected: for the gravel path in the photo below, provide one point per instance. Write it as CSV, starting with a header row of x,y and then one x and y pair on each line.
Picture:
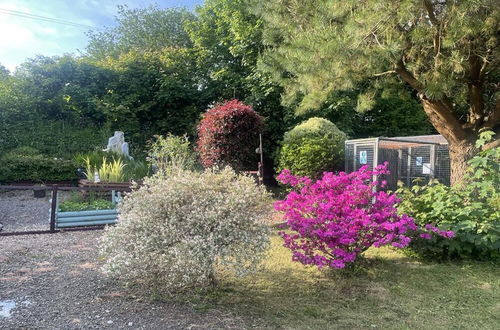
x,y
52,281
20,211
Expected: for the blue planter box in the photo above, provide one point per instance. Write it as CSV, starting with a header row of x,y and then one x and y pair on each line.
x,y
86,218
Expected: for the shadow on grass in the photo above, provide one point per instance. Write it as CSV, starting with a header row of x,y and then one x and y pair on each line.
x,y
389,290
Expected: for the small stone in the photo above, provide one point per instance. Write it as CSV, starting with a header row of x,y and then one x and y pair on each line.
x,y
110,322
130,324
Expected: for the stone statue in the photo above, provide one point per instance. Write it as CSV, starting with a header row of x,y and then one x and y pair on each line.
x,y
117,144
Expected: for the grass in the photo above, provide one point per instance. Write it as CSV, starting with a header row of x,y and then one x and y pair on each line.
x,y
391,292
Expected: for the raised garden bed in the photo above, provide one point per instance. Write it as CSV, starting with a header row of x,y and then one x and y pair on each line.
x,y
84,213
86,218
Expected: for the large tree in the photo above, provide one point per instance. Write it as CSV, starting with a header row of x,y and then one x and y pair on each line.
x,y
144,29
446,50
227,40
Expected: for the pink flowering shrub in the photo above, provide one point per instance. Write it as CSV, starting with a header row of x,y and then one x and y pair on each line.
x,y
336,218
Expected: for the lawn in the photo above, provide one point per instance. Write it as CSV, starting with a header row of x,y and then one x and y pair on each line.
x,y
392,291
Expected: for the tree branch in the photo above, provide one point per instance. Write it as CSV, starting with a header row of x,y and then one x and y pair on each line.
x,y
440,112
430,11
407,76
475,86
491,145
384,73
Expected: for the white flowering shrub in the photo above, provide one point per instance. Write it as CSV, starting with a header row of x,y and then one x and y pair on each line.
x,y
174,231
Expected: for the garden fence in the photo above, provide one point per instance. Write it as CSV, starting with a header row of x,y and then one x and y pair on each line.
x,y
11,224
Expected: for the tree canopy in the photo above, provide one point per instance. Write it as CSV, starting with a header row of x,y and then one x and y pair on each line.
x,y
447,51
145,29
158,70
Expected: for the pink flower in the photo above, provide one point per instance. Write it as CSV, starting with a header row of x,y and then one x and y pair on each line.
x,y
336,218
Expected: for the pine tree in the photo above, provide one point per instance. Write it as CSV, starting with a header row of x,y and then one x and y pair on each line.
x,y
446,50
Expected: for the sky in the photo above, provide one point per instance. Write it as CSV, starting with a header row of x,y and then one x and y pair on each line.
x,y
22,38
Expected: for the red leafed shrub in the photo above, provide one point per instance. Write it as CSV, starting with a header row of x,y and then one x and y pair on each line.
x,y
228,134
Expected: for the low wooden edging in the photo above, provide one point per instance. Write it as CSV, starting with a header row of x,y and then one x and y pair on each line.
x,y
83,183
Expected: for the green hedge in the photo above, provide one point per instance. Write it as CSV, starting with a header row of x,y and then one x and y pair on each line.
x,y
28,164
53,138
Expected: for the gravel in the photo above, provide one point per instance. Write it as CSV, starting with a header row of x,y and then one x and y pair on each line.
x,y
20,211
52,281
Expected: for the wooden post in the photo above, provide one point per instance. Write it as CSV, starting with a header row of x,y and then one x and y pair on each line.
x,y
408,168
432,160
261,164
400,163
53,209
355,159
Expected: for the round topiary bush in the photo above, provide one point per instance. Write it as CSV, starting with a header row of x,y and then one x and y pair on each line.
x,y
174,231
228,134
312,147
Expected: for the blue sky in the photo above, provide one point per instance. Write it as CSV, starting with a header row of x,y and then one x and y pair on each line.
x,y
21,38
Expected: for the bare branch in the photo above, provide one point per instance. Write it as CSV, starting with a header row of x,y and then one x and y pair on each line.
x,y
384,73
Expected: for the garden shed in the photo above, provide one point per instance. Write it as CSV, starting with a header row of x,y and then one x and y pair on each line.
x,y
411,157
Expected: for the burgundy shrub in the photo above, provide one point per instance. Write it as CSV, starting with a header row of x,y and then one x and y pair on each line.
x,y
228,134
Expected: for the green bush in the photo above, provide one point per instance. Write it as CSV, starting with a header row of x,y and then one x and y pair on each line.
x,y
97,204
135,170
470,209
312,147
170,151
28,164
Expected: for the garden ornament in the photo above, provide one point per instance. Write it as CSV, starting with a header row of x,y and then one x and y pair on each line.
x,y
117,144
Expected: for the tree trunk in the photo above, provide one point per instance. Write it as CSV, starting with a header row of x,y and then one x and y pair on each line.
x,y
461,142
460,153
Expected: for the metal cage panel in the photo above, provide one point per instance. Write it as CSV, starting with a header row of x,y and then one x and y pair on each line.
x,y
412,160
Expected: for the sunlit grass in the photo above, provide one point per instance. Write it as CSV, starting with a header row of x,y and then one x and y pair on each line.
x,y
389,291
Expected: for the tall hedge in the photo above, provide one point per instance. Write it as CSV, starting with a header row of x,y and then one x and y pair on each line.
x,y
228,134
312,147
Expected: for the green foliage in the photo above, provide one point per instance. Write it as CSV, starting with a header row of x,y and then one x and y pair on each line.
x,y
145,29
111,171
111,167
95,158
96,204
28,164
169,152
52,138
395,112
60,88
135,170
153,93
471,210
311,148
316,47
227,40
